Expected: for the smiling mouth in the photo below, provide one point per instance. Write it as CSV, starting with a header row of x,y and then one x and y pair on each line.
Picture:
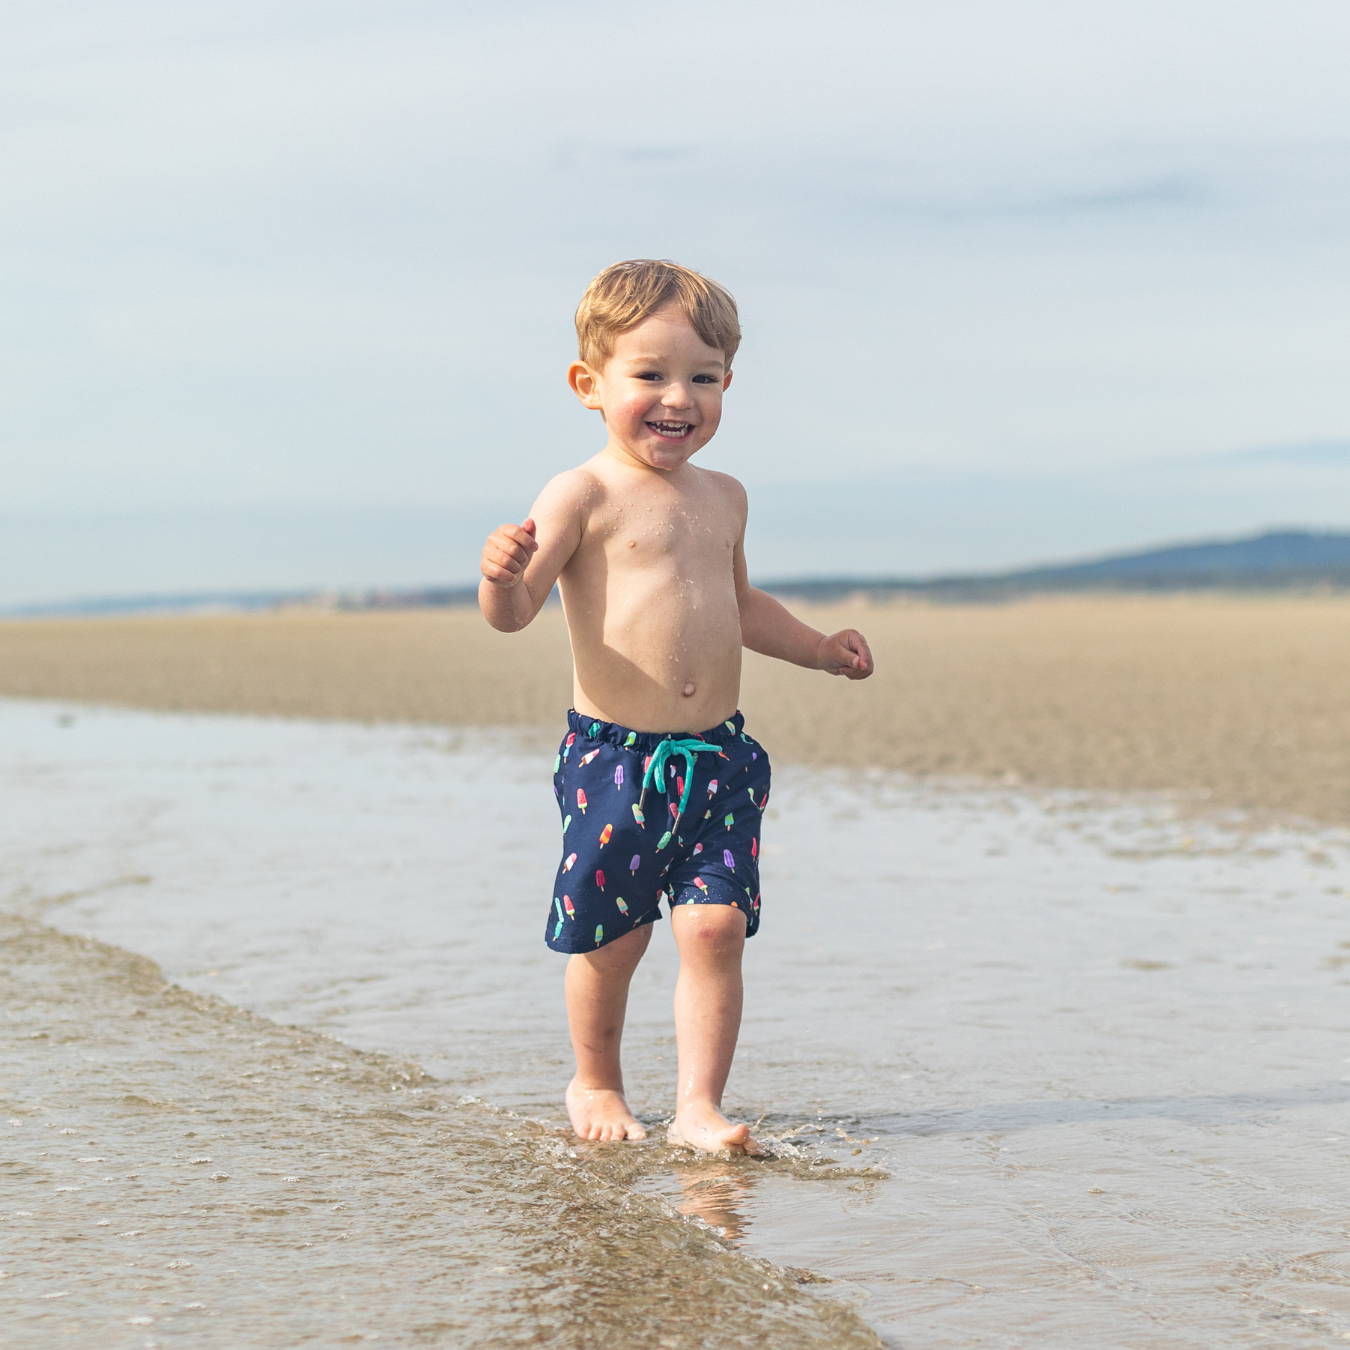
x,y
672,431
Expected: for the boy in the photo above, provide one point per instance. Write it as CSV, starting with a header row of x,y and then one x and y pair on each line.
x,y
648,554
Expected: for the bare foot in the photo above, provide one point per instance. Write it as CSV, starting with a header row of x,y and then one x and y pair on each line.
x,y
705,1127
601,1113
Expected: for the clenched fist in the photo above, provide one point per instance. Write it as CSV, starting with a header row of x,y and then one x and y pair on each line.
x,y
507,553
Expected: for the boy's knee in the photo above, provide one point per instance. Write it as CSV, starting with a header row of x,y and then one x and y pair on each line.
x,y
719,928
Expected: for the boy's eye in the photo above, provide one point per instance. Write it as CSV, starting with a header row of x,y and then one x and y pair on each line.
x,y
650,375
705,379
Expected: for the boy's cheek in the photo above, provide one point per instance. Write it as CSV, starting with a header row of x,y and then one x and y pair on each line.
x,y
633,411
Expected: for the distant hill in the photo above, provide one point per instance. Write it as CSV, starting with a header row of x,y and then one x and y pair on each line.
x,y
1276,560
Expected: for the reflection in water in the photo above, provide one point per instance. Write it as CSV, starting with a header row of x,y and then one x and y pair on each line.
x,y
713,1192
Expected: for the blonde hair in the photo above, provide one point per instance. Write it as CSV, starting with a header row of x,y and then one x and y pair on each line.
x,y
626,293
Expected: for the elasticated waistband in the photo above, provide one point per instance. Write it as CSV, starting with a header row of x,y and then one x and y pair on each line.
x,y
644,742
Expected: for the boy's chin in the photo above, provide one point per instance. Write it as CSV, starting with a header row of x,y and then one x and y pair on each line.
x,y
665,454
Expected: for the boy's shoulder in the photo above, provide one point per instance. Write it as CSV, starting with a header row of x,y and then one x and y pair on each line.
x,y
730,489
573,489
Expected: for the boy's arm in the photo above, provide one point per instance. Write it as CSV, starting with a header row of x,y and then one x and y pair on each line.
x,y
520,563
767,627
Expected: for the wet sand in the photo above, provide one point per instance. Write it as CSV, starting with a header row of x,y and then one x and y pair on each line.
x,y
1243,701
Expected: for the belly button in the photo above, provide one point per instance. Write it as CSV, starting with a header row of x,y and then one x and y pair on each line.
x,y
688,689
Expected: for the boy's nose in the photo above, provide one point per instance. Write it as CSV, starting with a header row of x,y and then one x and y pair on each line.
x,y
677,396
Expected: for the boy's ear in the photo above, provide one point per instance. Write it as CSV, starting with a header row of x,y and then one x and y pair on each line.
x,y
726,381
585,385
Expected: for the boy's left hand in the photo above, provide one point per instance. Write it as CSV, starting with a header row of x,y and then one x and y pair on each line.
x,y
845,653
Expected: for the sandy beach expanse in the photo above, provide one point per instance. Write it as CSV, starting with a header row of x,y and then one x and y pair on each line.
x,y
1244,699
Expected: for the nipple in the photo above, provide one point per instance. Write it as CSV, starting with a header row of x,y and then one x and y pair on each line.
x,y
632,543
688,688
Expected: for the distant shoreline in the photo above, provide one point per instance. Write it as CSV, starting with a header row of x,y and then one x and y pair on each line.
x,y
1277,561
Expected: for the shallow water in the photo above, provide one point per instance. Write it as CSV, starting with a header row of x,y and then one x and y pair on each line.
x,y
1044,1069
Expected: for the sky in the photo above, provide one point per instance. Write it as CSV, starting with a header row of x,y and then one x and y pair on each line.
x,y
286,289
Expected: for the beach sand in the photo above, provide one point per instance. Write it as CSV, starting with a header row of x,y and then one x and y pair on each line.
x,y
1243,701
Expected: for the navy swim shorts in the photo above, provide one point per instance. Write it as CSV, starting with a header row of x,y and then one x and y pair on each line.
x,y
648,817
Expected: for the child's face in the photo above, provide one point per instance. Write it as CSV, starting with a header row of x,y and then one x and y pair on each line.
x,y
660,392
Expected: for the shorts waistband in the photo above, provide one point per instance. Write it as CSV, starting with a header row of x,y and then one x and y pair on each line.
x,y
644,742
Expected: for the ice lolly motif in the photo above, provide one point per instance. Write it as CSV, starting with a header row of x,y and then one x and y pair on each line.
x,y
586,759
754,848
618,776
701,884
567,747
600,878
698,848
557,763
675,810
605,834
569,862
581,800
730,726
567,820
557,930
599,933
593,730
712,789
635,864
567,905
622,906
557,904
665,839
630,740
728,859
679,786
730,820
638,816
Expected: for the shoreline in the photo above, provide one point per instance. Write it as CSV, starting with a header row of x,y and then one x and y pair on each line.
x,y
1240,700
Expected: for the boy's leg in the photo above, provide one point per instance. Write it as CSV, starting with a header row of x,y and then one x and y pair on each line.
x,y
597,997
707,1022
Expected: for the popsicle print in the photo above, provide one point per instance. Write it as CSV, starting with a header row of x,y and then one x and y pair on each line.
x,y
569,861
605,834
599,933
638,816
581,800
635,864
586,758
618,776
600,878
620,903
701,884
754,848
630,740
567,905
728,859
712,789
730,820
567,820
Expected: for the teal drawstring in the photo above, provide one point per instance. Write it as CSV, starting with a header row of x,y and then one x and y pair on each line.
x,y
666,751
